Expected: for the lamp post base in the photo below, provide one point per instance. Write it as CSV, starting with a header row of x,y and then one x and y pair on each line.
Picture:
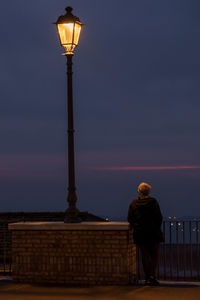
x,y
72,216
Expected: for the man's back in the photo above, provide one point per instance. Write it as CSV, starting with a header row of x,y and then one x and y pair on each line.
x,y
145,217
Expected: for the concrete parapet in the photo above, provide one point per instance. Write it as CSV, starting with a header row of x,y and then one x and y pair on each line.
x,y
88,253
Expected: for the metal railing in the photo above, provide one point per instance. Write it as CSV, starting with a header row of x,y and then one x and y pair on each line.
x,y
179,254
5,249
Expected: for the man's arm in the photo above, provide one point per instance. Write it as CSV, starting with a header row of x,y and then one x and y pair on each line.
x,y
130,216
158,214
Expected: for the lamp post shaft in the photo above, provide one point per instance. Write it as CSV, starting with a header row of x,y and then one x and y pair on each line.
x,y
72,211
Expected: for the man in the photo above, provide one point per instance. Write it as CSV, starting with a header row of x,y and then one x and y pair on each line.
x,y
145,218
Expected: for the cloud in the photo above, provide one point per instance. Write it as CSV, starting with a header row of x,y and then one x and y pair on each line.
x,y
146,168
33,167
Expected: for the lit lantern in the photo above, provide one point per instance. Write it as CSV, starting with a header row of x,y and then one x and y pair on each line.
x,y
69,28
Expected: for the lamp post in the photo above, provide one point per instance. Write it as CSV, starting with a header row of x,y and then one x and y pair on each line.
x,y
69,27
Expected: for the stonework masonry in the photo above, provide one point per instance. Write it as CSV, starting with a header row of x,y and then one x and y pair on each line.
x,y
13,217
82,254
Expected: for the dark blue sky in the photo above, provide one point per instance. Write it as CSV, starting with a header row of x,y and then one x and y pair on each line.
x,y
136,103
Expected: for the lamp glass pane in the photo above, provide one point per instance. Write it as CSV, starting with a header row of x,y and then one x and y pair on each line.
x,y
66,33
77,31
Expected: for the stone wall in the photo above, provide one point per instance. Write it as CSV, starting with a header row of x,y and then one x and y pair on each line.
x,y
13,217
73,254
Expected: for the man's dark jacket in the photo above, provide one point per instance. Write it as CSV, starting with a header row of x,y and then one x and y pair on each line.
x,y
145,218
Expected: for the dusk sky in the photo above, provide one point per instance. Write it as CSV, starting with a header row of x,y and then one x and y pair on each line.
x,y
136,105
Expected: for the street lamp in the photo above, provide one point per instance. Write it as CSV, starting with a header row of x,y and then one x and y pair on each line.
x,y
69,28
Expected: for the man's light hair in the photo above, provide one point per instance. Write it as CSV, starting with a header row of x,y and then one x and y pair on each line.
x,y
144,188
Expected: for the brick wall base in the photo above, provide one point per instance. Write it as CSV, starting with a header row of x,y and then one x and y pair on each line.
x,y
73,254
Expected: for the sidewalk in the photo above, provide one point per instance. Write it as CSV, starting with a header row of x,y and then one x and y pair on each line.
x,y
167,291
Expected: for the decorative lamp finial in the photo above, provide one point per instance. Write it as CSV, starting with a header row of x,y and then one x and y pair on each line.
x,y
69,9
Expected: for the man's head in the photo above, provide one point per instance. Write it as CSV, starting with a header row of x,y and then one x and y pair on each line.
x,y
144,189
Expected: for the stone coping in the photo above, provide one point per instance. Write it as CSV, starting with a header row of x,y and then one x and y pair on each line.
x,y
69,226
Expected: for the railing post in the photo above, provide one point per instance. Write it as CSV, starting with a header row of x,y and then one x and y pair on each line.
x,y
177,248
